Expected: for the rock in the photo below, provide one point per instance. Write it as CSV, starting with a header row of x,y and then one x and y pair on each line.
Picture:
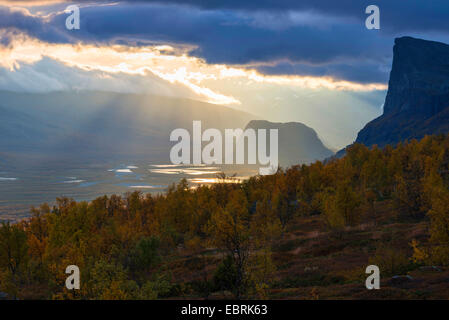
x,y
399,280
417,101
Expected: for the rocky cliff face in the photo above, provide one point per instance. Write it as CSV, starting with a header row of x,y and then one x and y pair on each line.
x,y
417,102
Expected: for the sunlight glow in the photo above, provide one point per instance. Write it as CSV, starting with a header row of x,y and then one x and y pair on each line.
x,y
166,62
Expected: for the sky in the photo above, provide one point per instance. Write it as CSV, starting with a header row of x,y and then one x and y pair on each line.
x,y
313,61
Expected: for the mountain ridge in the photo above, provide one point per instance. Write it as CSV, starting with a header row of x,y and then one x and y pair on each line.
x,y
298,143
95,124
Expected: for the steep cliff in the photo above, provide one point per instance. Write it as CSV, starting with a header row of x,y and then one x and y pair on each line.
x,y
417,102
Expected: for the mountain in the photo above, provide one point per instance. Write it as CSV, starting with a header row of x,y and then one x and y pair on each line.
x,y
417,101
298,143
95,125
90,125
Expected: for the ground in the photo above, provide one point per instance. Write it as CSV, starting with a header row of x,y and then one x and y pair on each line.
x,y
315,263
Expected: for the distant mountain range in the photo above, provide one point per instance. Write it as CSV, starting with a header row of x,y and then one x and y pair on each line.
x,y
90,125
417,102
85,125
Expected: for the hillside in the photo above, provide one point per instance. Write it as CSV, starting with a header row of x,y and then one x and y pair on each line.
x,y
307,232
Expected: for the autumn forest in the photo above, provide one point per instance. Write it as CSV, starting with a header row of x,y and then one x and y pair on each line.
x,y
305,232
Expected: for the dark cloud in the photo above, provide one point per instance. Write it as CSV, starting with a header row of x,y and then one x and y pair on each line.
x,y
361,73
397,15
330,39
229,37
13,20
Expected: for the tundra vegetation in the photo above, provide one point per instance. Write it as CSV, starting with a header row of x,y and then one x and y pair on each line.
x,y
306,232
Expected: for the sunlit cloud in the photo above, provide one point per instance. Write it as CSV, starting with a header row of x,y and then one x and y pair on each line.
x,y
162,61
113,60
29,3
